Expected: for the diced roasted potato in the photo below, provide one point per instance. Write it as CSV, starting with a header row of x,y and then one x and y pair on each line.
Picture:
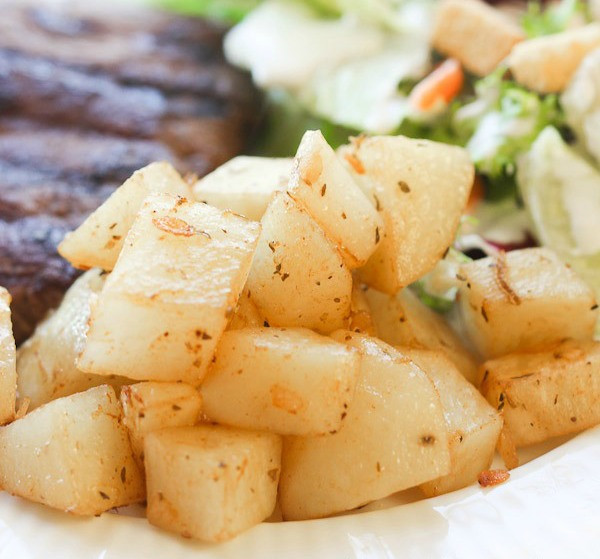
x,y
98,241
209,482
46,362
545,394
149,406
394,437
8,374
476,34
165,305
245,184
361,320
320,183
524,299
547,64
246,314
286,381
421,188
473,424
298,277
72,454
402,320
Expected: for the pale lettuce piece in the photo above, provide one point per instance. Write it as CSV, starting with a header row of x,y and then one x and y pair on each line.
x,y
557,17
364,93
400,15
228,11
496,135
581,103
561,191
284,43
506,119
503,223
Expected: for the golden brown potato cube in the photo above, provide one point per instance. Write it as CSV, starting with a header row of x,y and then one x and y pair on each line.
x,y
245,184
394,437
360,320
402,320
524,299
283,380
165,305
547,64
149,406
72,454
473,424
8,373
46,362
246,314
320,183
547,393
298,277
98,241
476,34
421,189
209,482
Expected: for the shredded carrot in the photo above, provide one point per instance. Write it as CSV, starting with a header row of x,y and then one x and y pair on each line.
x,y
443,84
476,196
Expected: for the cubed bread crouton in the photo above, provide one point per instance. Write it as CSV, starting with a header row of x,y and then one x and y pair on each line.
x,y
479,36
547,64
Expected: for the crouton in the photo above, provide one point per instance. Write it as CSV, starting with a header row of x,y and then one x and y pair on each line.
x,y
479,36
547,64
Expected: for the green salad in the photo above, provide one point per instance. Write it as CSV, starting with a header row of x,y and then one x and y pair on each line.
x,y
362,66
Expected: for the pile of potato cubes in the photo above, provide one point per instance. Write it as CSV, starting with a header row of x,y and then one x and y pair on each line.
x,y
278,361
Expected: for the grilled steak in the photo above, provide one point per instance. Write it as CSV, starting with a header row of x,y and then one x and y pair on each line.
x,y
89,93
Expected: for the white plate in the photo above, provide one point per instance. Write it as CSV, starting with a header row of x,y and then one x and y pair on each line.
x,y
550,508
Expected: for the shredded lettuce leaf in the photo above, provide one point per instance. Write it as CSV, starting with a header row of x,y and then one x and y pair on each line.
x,y
539,21
504,120
364,93
581,104
438,288
561,190
227,11
399,15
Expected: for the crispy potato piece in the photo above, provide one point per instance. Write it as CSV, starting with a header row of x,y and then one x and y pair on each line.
x,y
72,454
547,64
8,373
245,184
361,320
547,393
394,437
46,362
298,277
478,35
246,314
149,406
524,299
474,425
402,320
98,241
286,381
168,300
320,183
209,482
421,189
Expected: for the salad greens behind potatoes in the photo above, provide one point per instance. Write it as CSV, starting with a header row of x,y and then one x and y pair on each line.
x,y
353,66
